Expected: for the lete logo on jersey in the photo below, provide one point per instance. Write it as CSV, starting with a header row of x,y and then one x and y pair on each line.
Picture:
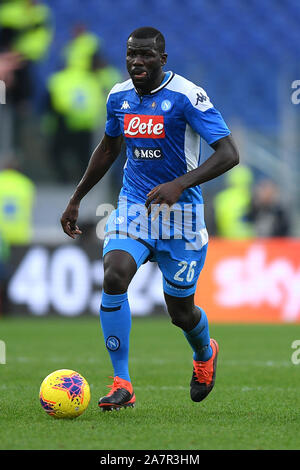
x,y
144,126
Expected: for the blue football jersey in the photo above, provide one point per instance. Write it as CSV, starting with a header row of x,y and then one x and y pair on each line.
x,y
163,132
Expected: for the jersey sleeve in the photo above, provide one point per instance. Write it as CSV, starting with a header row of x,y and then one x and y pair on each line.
x,y
112,126
204,119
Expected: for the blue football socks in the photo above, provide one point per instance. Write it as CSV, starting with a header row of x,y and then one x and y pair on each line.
x,y
199,339
115,320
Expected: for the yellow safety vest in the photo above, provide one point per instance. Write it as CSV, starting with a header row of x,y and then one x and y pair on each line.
x,y
79,52
30,21
16,202
231,205
34,44
77,95
15,15
108,77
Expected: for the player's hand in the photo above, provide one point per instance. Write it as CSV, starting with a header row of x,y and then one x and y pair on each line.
x,y
164,194
68,220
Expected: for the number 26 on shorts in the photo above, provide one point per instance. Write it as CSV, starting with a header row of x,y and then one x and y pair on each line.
x,y
181,275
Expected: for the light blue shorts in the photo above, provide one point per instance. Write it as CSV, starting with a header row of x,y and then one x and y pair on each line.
x,y
179,263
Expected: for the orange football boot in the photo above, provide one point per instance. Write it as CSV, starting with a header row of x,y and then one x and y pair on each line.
x,y
121,395
204,374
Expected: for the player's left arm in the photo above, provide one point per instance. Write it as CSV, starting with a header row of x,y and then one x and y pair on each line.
x,y
224,158
208,123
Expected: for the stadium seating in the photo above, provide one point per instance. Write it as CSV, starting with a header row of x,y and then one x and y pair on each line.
x,y
237,50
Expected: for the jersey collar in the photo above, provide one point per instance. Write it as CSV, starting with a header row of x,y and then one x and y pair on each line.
x,y
167,78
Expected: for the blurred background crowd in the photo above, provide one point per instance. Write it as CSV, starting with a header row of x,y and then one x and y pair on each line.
x,y
60,58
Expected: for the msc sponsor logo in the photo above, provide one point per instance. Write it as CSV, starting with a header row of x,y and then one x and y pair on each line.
x,y
144,153
144,126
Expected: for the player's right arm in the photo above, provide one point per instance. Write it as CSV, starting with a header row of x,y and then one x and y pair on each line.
x,y
101,160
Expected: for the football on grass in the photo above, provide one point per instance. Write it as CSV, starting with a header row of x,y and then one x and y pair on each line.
x,y
65,394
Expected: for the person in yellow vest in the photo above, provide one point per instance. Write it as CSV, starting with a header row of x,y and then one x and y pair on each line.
x,y
77,102
81,49
26,33
29,25
84,52
17,195
107,75
232,205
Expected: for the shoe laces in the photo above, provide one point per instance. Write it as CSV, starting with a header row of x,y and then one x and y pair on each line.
x,y
202,372
117,384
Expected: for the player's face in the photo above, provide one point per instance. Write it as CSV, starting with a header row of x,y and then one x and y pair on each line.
x,y
144,63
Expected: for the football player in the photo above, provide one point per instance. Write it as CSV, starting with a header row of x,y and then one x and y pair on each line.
x,y
162,117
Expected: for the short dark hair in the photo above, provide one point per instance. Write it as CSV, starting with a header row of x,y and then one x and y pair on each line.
x,y
147,32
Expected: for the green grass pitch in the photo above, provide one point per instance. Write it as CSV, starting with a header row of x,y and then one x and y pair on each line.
x,y
255,403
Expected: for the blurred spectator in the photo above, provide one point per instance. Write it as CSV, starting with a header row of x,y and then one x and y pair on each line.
x,y
26,25
268,214
77,106
232,205
17,194
25,37
24,40
9,63
81,50
14,73
107,74
84,52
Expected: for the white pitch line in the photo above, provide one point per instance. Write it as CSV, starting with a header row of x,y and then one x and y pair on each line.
x,y
257,363
155,362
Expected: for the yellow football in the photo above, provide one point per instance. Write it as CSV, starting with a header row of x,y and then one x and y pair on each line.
x,y
65,394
